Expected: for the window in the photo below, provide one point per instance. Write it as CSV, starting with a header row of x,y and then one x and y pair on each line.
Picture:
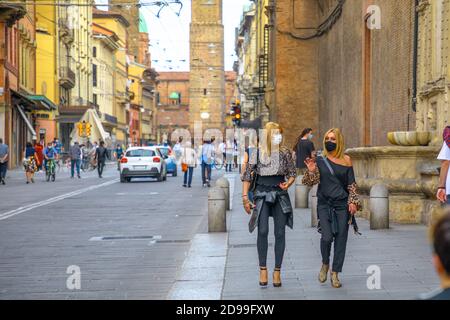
x,y
157,98
94,52
94,75
140,153
94,97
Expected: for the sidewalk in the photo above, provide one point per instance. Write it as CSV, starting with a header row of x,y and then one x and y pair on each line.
x,y
402,253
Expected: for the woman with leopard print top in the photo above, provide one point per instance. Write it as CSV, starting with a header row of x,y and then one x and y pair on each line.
x,y
337,201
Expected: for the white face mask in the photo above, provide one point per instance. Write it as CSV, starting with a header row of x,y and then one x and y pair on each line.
x,y
277,138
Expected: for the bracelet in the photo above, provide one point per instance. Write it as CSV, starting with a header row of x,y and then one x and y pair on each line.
x,y
441,188
244,195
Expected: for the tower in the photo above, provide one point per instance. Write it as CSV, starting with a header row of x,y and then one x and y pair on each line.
x,y
130,11
207,76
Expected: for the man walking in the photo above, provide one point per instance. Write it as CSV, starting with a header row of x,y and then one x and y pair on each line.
x,y
100,155
4,153
207,156
75,159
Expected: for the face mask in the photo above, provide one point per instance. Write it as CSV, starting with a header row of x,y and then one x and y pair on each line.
x,y
276,139
330,146
310,136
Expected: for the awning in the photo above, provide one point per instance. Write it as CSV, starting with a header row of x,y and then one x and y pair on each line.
x,y
24,116
42,102
21,99
98,132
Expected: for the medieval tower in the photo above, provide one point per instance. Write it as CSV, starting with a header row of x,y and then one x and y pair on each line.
x,y
207,77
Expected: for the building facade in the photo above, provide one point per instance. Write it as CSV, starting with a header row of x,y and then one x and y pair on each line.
x,y
118,24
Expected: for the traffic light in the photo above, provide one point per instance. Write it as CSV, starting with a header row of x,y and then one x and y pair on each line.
x,y
236,112
80,128
88,129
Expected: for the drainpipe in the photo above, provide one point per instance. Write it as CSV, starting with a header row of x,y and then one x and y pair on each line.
x,y
415,56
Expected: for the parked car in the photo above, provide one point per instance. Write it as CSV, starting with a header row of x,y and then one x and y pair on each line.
x,y
142,162
170,159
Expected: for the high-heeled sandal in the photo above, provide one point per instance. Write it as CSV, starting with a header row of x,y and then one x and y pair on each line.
x,y
263,276
277,277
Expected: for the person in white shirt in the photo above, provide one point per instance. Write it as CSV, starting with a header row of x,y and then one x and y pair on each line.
x,y
177,148
189,158
443,193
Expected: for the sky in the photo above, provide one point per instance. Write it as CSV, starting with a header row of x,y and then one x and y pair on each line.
x,y
169,34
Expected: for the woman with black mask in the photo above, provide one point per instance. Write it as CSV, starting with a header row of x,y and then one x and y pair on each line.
x,y
337,201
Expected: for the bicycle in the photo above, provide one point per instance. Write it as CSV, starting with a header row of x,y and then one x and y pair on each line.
x,y
218,162
50,170
87,164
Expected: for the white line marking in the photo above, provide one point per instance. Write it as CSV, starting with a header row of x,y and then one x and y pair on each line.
x,y
29,207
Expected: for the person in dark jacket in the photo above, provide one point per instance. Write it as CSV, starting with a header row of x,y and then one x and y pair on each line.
x,y
337,201
101,153
303,149
275,172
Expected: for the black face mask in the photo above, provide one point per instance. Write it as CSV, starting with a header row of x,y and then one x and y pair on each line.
x,y
330,146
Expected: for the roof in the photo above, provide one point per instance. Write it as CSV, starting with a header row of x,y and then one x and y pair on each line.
x,y
96,13
173,76
142,24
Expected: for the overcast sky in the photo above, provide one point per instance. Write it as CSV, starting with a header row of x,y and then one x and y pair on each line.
x,y
169,34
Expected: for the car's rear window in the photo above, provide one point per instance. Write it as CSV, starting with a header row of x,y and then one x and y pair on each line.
x,y
140,153
164,151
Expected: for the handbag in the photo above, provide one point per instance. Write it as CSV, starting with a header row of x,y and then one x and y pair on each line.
x,y
184,166
253,174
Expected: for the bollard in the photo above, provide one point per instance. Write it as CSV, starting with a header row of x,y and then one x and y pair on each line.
x,y
313,204
379,207
216,210
225,185
301,193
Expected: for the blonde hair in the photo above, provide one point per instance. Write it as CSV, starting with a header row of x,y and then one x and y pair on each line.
x,y
340,144
270,127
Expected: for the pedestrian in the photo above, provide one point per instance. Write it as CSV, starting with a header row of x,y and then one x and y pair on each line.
x,y
29,162
441,257
229,149
337,201
273,168
235,153
4,154
57,145
222,149
177,148
39,148
75,159
247,154
100,156
443,193
119,153
303,149
207,160
189,160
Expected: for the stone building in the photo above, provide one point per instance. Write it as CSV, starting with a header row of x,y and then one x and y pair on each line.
x,y
207,78
172,103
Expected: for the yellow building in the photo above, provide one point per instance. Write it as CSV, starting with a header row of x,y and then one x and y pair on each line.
x,y
253,69
105,46
118,24
135,72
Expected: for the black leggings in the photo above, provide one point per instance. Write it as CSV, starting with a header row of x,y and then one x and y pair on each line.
x,y
279,220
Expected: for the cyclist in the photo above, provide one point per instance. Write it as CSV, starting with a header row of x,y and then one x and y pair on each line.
x,y
50,154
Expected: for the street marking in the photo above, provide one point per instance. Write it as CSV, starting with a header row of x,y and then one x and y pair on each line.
x,y
137,194
29,207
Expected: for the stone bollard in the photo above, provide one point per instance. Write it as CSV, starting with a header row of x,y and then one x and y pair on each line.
x,y
379,207
225,185
216,210
313,204
301,193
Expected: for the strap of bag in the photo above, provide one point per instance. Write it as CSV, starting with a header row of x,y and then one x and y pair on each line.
x,y
327,163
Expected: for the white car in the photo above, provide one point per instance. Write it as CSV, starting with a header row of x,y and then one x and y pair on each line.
x,y
142,162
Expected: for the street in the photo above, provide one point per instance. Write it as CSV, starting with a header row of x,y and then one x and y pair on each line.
x,y
46,227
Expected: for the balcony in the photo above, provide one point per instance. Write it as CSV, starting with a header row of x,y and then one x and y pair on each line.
x,y
66,32
66,78
12,11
